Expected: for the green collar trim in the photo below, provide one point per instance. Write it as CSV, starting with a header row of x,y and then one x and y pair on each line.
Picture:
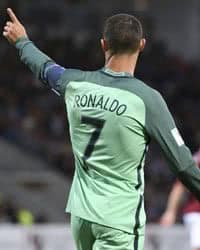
x,y
114,73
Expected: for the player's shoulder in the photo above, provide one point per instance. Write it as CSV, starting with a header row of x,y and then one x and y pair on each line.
x,y
73,74
144,87
149,95
79,75
155,104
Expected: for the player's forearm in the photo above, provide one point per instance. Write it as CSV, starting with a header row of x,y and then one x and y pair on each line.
x,y
175,198
40,64
190,177
36,60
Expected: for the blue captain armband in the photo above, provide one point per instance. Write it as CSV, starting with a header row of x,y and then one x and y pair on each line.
x,y
51,74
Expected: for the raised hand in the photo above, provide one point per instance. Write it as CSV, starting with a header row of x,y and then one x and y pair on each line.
x,y
13,29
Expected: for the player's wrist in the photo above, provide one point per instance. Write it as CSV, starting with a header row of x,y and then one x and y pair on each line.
x,y
20,42
21,38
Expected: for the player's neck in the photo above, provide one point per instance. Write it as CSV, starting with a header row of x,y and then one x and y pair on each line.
x,y
122,63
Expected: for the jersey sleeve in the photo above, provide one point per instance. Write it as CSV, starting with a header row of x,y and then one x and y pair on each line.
x,y
58,77
44,68
161,127
68,76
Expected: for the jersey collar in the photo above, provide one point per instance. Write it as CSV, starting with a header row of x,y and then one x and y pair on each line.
x,y
114,73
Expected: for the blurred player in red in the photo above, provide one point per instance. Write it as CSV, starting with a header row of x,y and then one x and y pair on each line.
x,y
191,210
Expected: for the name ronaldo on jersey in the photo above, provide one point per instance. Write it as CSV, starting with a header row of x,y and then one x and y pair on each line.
x,y
100,102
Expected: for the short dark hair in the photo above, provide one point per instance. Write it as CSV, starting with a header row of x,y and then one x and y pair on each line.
x,y
123,33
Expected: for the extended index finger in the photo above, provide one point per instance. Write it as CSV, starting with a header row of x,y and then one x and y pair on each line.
x,y
12,15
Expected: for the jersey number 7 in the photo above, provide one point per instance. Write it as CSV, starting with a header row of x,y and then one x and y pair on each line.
x,y
98,124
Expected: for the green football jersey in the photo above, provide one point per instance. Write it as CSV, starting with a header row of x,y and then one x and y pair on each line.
x,y
109,144
112,117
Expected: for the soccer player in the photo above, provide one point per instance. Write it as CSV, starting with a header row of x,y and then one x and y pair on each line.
x,y
112,117
191,211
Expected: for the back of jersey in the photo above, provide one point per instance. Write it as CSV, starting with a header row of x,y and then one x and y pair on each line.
x,y
112,116
107,128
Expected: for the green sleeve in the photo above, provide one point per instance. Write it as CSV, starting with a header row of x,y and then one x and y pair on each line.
x,y
38,63
161,127
31,56
68,76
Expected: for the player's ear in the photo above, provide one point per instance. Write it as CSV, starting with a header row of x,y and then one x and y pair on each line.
x,y
142,44
104,45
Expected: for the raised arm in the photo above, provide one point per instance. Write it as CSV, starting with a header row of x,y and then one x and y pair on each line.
x,y
40,64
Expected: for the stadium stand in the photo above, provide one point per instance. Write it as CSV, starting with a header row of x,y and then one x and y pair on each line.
x,y
27,182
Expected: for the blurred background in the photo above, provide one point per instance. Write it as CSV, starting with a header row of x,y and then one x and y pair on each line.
x,y
36,162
